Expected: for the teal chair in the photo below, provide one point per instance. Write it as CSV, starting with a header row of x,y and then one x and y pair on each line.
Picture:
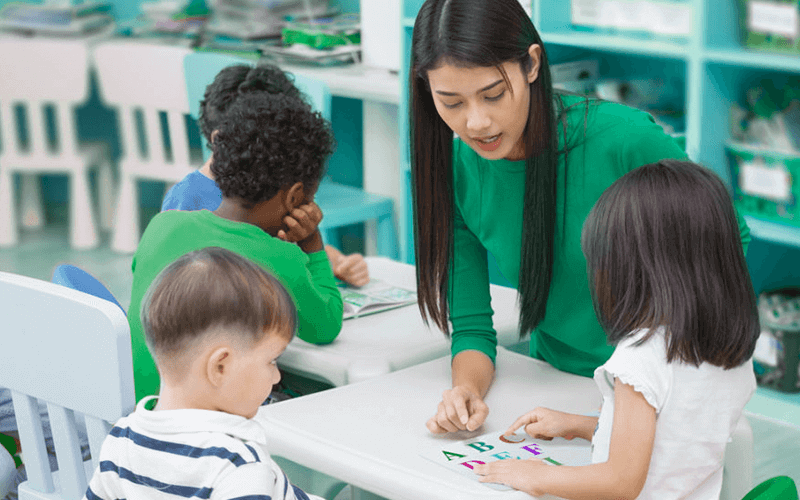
x,y
341,205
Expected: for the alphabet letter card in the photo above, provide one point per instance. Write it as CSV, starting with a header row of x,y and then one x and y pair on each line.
x,y
462,456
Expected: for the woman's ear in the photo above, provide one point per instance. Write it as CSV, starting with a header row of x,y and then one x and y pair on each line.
x,y
218,365
214,136
535,51
294,196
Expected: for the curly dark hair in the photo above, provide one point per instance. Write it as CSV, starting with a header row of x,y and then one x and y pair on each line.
x,y
267,142
237,80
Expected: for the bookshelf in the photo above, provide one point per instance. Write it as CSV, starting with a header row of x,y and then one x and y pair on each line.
x,y
711,62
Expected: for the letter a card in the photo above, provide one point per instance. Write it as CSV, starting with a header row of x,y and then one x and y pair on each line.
x,y
462,456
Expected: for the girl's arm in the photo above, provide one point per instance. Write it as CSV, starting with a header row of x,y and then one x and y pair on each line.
x,y
621,477
544,423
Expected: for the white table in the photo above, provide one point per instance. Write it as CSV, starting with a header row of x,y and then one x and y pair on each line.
x,y
369,434
391,340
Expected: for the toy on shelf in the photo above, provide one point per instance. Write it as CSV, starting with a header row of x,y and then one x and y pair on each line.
x,y
765,153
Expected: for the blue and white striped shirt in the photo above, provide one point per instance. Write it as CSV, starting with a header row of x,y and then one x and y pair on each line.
x,y
188,454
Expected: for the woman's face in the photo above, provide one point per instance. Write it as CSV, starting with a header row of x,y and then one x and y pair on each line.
x,y
482,109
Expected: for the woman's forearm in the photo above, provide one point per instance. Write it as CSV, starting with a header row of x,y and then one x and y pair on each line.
x,y
474,370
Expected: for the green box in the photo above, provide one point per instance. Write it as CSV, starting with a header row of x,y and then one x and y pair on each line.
x,y
765,183
771,25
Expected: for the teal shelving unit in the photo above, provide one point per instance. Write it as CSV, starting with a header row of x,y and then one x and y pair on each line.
x,y
716,71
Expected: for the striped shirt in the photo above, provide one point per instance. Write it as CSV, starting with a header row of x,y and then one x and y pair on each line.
x,y
188,454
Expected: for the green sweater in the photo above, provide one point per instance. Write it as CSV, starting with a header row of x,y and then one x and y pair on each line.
x,y
488,217
173,233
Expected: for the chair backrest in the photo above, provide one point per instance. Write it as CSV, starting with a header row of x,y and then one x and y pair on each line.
x,y
72,351
78,279
37,72
202,67
145,77
776,488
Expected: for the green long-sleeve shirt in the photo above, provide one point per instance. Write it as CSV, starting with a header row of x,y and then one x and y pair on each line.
x,y
488,217
308,277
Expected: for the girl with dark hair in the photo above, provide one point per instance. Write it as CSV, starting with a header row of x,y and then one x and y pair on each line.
x,y
517,182
670,286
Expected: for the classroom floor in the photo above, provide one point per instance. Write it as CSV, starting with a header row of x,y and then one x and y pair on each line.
x,y
774,416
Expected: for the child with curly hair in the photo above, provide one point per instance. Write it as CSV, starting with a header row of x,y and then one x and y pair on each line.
x,y
269,154
198,191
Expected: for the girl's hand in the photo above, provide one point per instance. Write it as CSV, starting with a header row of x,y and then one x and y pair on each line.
x,y
521,475
544,423
460,409
301,227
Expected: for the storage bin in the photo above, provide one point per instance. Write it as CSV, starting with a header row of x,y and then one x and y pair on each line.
x,y
670,20
772,25
765,183
777,355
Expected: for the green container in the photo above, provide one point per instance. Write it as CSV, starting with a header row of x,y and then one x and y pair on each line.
x,y
770,25
765,183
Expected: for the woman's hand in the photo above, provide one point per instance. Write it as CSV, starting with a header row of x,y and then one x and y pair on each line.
x,y
460,409
352,269
301,227
544,423
519,474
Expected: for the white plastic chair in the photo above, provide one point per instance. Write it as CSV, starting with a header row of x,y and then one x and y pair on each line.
x,y
73,351
137,76
36,73
737,469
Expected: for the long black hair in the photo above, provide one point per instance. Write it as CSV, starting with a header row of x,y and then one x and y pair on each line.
x,y
662,248
479,33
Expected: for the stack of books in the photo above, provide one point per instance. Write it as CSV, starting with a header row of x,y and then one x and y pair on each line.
x,y
258,19
56,19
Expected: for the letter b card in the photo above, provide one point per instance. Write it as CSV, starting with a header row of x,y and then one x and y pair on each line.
x,y
461,456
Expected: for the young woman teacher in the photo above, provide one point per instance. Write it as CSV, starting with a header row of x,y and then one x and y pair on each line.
x,y
519,179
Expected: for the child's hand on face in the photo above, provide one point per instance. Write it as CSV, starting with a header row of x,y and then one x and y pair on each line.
x,y
301,227
523,475
544,423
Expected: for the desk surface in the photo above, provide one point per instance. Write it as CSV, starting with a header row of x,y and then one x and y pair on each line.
x,y
391,340
370,434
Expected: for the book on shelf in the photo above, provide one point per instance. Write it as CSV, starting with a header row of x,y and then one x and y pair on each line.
x,y
374,297
56,19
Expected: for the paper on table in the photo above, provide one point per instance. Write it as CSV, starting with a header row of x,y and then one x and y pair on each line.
x,y
461,456
375,296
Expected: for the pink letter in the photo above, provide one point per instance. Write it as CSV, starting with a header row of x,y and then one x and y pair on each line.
x,y
467,463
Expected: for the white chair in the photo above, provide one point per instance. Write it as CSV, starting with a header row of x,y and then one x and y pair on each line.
x,y
148,78
37,73
737,469
71,350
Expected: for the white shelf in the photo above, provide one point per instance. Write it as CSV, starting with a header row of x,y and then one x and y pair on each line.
x,y
617,43
774,232
754,59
